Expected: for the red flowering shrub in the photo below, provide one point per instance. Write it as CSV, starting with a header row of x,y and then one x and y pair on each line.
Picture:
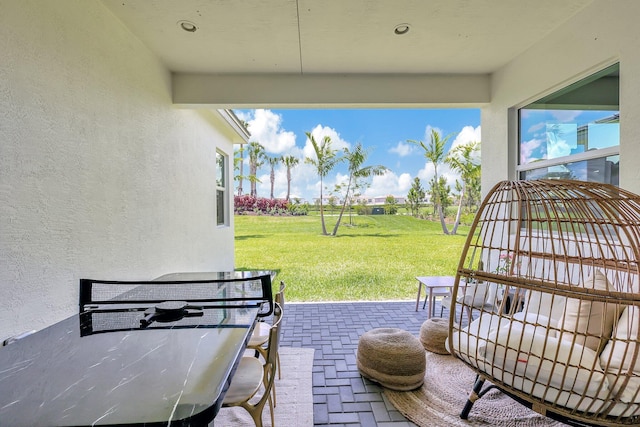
x,y
260,205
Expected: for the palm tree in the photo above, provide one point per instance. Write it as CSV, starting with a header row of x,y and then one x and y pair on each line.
x,y
273,162
238,160
256,153
290,162
324,161
356,158
461,160
435,153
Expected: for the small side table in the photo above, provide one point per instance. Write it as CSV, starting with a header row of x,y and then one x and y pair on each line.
x,y
435,286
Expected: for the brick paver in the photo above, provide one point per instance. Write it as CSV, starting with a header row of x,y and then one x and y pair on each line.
x,y
341,396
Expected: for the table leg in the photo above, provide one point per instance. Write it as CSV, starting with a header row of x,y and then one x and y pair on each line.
x,y
419,291
431,305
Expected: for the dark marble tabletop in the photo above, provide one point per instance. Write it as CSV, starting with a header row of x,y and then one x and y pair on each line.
x,y
105,369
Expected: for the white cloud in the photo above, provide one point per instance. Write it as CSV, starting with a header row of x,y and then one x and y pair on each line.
x,y
402,149
538,127
467,134
559,148
265,128
565,116
427,133
427,172
527,148
318,133
279,183
389,184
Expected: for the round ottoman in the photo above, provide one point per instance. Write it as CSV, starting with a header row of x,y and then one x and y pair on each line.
x,y
433,334
391,357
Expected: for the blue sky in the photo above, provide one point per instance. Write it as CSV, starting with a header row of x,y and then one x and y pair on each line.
x,y
384,132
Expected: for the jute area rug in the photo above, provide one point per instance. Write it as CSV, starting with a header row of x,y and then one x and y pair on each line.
x,y
446,387
294,394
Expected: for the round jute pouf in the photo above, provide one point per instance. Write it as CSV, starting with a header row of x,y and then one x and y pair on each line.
x,y
392,357
433,334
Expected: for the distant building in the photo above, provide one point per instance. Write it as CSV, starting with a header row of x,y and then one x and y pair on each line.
x,y
381,200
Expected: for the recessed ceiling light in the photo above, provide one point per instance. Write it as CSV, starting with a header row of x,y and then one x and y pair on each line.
x,y
401,29
188,26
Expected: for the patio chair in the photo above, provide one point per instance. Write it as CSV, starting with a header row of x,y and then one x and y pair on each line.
x,y
251,375
474,295
260,336
570,252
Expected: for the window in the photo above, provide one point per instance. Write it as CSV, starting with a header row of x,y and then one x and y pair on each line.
x,y
573,133
222,189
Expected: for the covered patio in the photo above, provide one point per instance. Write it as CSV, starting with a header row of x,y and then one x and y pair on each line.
x,y
117,141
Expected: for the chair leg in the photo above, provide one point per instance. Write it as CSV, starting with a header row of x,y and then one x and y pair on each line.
x,y
261,351
469,315
256,411
278,365
473,396
273,387
272,405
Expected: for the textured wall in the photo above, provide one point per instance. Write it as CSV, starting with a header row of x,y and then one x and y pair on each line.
x,y
100,176
603,33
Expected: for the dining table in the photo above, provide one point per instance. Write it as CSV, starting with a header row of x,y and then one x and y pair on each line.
x,y
123,364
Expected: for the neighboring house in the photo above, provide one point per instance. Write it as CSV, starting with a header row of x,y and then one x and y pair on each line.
x,y
380,200
112,125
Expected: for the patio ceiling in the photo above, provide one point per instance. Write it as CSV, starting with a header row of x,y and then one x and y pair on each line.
x,y
446,38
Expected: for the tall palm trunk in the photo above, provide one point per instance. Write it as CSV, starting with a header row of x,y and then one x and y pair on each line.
x,y
252,179
454,230
324,227
273,180
288,182
436,178
344,205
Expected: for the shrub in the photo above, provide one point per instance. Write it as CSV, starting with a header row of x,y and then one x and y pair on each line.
x,y
467,219
299,209
243,205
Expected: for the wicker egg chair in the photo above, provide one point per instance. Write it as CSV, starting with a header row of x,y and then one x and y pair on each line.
x,y
559,332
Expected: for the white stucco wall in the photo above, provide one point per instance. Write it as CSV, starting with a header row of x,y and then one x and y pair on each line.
x,y
100,175
602,34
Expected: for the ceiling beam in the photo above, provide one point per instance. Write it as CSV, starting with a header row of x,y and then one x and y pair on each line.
x,y
330,90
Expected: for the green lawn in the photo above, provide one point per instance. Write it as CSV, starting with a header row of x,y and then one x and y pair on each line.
x,y
377,259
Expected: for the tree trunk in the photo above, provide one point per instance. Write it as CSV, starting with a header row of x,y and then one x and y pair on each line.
x,y
344,205
436,180
241,170
445,230
324,228
273,179
288,183
454,230
252,180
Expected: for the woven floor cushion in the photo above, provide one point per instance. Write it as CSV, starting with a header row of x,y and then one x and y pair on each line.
x,y
433,334
392,357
